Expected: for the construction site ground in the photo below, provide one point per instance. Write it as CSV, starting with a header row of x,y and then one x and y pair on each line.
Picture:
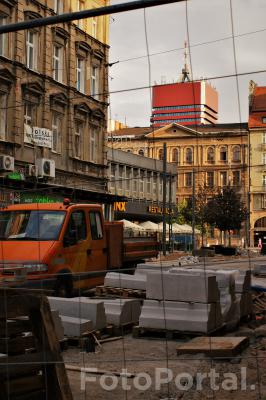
x,y
149,355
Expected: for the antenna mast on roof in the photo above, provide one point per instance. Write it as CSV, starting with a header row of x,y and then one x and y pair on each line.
x,y
185,71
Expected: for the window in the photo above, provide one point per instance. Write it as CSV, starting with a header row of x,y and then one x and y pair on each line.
x,y
76,227
57,129
128,178
3,114
141,183
80,7
160,154
264,180
189,156
264,120
154,185
95,81
223,178
264,158
58,6
264,138
223,154
120,177
96,225
188,179
58,63
135,180
3,38
175,154
78,139
94,27
80,75
236,178
210,155
148,189
112,176
210,179
141,152
30,114
236,154
32,49
93,145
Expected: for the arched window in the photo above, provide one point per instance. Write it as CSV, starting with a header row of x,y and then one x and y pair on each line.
x,y
260,223
189,155
160,154
210,155
175,155
141,152
236,154
223,153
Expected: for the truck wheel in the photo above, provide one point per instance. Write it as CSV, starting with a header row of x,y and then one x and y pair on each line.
x,y
63,286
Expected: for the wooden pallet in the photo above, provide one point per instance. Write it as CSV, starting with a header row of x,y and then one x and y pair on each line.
x,y
214,346
104,291
140,332
32,366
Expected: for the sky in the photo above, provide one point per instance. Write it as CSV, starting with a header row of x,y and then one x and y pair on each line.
x,y
208,29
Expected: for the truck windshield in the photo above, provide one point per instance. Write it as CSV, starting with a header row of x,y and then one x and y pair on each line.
x,y
30,225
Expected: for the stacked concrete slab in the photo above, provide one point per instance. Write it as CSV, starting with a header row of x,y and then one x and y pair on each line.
x,y
180,316
82,314
115,279
122,311
243,284
59,329
259,269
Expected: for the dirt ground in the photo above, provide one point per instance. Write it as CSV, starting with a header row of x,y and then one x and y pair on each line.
x,y
148,356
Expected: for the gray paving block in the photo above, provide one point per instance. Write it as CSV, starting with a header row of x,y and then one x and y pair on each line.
x,y
122,311
192,287
181,316
115,279
59,329
243,281
259,269
76,326
81,307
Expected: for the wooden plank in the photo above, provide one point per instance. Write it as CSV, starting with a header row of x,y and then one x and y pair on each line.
x,y
16,345
17,305
10,328
23,385
214,346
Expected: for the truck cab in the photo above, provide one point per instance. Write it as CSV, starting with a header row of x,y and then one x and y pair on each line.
x,y
53,246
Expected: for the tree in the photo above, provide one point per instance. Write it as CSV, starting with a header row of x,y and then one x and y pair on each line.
x,y
226,211
185,210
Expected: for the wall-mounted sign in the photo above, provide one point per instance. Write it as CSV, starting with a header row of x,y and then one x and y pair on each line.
x,y
159,210
16,176
39,136
120,206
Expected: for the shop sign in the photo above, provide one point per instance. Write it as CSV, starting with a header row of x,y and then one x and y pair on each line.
x,y
39,136
159,210
120,206
36,198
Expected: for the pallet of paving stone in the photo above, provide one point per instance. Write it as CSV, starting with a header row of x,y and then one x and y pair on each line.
x,y
224,347
120,292
31,365
139,332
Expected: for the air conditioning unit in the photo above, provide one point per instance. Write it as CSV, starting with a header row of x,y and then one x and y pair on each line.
x,y
7,163
46,167
31,170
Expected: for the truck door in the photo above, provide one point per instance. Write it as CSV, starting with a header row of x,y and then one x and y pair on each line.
x,y
97,251
75,244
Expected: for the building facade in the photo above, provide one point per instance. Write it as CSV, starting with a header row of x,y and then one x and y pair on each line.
x,y
185,103
210,157
257,133
53,113
140,180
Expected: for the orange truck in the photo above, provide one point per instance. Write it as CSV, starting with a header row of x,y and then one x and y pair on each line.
x,y
64,246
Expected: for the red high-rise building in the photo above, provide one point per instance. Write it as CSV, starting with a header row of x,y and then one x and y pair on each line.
x,y
185,103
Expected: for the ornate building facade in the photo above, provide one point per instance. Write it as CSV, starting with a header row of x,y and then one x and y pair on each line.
x,y
53,113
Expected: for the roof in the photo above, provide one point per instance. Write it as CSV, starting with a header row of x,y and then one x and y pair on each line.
x,y
258,108
136,131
